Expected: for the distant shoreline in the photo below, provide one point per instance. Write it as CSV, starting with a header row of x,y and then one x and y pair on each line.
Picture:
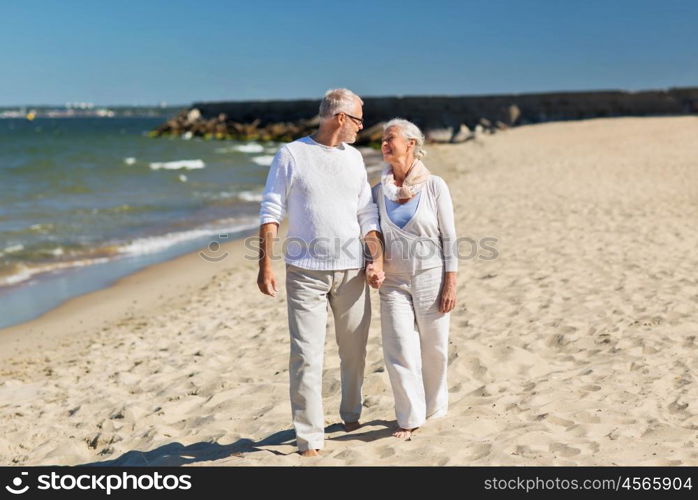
x,y
66,112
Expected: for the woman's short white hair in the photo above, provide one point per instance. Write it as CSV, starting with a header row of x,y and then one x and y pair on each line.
x,y
338,101
409,131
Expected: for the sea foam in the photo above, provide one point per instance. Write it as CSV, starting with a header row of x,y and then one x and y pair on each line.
x,y
25,273
250,196
176,165
152,244
251,147
13,248
264,160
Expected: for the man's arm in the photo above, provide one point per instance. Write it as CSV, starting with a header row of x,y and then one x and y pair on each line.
x,y
272,211
266,281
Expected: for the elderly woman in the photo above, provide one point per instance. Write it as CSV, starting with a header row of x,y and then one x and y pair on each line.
x,y
419,289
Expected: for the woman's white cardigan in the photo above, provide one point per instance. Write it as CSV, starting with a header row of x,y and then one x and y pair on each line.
x,y
428,239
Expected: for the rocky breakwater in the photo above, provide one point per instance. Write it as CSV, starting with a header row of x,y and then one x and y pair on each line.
x,y
443,118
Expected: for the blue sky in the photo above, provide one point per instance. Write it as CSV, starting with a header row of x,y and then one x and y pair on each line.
x,y
149,51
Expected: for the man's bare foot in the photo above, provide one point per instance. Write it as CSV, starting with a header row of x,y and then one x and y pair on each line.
x,y
351,426
405,434
309,453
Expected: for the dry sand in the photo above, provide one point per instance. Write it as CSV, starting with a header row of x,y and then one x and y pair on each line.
x,y
575,346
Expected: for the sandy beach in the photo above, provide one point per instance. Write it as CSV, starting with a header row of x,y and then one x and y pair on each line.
x,y
576,345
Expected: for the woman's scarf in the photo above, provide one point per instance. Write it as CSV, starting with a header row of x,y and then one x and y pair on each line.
x,y
416,177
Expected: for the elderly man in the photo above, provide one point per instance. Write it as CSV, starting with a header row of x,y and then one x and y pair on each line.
x,y
321,183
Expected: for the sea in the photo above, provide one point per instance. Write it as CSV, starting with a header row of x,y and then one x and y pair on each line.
x,y
86,201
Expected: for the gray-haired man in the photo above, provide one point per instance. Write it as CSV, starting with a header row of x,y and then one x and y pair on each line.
x,y
321,183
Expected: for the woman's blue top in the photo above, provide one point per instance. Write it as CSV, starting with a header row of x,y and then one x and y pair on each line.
x,y
401,213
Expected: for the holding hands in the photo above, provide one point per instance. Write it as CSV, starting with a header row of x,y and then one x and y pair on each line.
x,y
374,275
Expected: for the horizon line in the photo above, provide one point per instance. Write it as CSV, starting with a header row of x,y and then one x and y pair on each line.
x,y
399,96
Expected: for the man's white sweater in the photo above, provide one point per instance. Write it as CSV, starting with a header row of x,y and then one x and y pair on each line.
x,y
325,192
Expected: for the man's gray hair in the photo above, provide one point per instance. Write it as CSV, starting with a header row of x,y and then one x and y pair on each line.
x,y
338,101
409,131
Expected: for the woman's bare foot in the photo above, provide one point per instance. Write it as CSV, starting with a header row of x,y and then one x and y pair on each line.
x,y
309,453
405,434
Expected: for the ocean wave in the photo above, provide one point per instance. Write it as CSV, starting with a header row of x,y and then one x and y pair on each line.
x,y
13,248
15,273
73,189
44,252
250,196
41,228
19,275
251,147
152,244
264,160
116,209
176,165
254,196
223,195
21,272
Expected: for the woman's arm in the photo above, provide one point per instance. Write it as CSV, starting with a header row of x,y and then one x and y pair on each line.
x,y
447,226
447,229
447,300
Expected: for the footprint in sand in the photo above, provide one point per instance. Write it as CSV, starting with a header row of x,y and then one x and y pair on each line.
x,y
350,456
676,407
480,451
564,450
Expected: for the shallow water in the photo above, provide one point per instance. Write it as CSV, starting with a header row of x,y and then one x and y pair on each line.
x,y
98,193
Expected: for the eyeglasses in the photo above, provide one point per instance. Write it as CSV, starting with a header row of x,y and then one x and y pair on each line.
x,y
358,120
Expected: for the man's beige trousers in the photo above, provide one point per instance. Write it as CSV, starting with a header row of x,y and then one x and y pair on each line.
x,y
309,293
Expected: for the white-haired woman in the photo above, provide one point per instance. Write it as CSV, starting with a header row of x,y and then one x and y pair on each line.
x,y
420,265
